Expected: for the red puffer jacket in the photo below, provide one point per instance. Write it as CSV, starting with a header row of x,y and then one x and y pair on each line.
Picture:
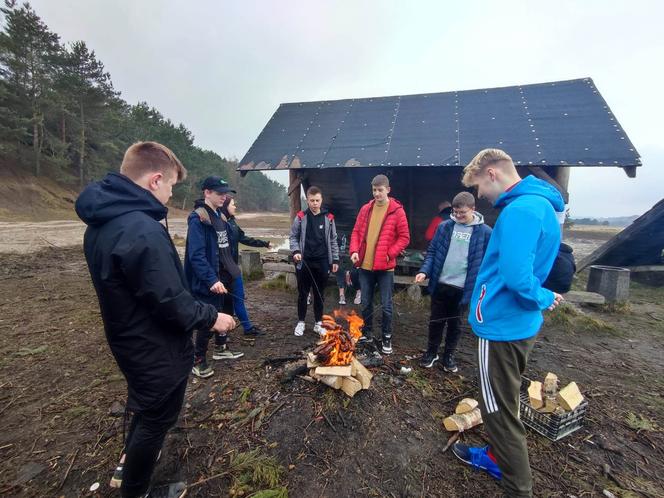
x,y
394,235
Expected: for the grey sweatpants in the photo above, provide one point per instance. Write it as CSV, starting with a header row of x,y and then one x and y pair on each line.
x,y
501,365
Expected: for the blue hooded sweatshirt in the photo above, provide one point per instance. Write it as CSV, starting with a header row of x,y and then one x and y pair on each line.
x,y
508,297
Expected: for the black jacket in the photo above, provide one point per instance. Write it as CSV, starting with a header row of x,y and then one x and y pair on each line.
x,y
148,313
237,236
562,272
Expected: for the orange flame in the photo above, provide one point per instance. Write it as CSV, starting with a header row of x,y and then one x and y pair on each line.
x,y
338,344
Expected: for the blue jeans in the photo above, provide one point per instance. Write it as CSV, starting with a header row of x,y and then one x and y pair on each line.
x,y
238,303
385,282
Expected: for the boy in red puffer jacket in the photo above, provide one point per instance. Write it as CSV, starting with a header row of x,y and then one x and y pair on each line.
x,y
380,234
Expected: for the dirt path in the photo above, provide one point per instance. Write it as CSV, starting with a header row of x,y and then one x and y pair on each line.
x,y
61,403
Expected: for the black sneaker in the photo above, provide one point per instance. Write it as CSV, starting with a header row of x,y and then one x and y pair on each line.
x,y
202,370
449,365
223,353
386,347
428,359
254,332
363,339
172,490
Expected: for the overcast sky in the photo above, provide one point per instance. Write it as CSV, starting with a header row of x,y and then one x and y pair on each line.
x,y
223,67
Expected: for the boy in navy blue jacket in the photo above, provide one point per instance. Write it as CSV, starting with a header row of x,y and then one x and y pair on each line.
x,y
451,265
506,308
210,267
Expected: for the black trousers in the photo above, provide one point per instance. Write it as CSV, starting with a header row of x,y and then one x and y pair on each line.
x,y
224,304
445,309
311,276
144,441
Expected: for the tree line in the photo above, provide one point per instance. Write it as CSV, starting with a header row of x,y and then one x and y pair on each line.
x,y
61,117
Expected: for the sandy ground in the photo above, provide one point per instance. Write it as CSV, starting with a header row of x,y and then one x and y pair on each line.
x,y
25,237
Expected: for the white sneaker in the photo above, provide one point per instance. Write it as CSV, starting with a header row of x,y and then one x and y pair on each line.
x,y
358,298
318,328
342,300
299,329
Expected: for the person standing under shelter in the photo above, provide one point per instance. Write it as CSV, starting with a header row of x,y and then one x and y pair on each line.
x,y
380,234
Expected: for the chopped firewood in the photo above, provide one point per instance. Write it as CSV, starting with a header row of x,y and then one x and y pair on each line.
x,y
535,394
569,396
312,362
351,385
466,405
361,373
550,387
331,380
463,421
342,371
550,405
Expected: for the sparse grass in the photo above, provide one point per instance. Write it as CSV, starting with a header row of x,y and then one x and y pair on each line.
x,y
421,383
639,422
252,470
571,320
32,351
254,275
244,396
616,308
277,283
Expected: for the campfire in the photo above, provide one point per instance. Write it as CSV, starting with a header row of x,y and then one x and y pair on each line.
x,y
333,360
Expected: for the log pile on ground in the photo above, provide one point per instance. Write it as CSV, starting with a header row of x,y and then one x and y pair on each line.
x,y
466,416
548,398
333,361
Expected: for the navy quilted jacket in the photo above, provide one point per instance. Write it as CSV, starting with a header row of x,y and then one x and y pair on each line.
x,y
437,252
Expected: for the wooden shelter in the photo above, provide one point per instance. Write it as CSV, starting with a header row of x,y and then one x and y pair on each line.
x,y
423,141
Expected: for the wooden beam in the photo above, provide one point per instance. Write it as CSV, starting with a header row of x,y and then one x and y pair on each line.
x,y
294,192
630,171
543,175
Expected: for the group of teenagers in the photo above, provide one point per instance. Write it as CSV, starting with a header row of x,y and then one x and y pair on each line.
x,y
151,305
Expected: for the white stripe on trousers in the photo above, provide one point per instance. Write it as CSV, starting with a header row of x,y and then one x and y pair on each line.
x,y
487,390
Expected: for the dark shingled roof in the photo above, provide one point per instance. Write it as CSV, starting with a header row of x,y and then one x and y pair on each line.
x,y
563,123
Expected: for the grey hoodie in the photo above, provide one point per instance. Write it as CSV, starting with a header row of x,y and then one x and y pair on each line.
x,y
455,267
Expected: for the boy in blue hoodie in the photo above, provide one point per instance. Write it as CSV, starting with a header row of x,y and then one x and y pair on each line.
x,y
506,308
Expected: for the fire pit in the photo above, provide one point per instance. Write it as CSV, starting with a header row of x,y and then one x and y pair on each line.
x,y
333,360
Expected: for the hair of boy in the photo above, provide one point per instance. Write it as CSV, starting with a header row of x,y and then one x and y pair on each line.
x,y
380,181
313,190
142,158
483,159
463,199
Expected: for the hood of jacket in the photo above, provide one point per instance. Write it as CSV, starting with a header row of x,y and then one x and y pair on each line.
x,y
113,196
532,186
478,219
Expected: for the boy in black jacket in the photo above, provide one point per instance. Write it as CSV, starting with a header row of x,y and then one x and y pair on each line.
x,y
147,311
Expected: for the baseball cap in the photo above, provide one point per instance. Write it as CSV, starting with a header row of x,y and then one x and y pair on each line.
x,y
218,184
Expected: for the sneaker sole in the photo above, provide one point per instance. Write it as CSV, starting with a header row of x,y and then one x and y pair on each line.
x,y
203,376
429,365
387,351
234,357
450,370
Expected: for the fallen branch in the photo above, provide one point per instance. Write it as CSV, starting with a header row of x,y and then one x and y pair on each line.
x,y
71,464
451,441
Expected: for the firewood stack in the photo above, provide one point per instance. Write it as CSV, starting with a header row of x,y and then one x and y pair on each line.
x,y
333,360
548,398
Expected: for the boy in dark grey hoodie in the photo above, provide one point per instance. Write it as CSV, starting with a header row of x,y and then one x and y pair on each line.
x,y
451,264
313,242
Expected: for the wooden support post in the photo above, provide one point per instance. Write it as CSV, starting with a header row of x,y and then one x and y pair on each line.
x,y
543,175
295,181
